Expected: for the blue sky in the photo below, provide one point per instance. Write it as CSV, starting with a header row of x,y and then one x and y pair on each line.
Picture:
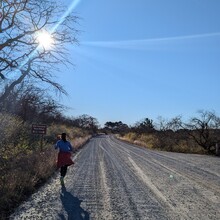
x,y
144,58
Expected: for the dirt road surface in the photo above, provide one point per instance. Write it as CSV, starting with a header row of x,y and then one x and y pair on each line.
x,y
115,180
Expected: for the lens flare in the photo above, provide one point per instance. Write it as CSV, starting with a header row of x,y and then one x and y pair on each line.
x,y
72,6
144,44
45,40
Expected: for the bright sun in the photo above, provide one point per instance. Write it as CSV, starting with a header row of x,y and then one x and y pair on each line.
x,y
45,40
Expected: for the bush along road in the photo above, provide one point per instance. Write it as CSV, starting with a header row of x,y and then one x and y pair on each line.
x,y
115,180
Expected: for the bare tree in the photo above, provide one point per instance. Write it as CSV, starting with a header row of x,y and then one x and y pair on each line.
x,y
21,23
204,129
31,103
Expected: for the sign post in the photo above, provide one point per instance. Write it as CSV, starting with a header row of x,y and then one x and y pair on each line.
x,y
41,130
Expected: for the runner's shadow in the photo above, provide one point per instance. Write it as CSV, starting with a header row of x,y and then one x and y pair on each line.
x,y
71,205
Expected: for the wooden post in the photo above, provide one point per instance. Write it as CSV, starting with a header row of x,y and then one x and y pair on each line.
x,y
217,149
41,142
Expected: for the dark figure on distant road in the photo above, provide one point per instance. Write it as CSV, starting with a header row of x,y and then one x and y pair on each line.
x,y
64,156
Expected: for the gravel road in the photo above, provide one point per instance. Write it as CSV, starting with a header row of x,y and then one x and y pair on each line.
x,y
115,180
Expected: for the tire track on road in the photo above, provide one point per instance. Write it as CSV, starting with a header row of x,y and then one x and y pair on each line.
x,y
183,185
106,193
143,196
195,177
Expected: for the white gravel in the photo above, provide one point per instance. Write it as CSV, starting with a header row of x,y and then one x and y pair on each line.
x,y
115,180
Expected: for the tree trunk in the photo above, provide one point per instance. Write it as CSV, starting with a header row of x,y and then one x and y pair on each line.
x,y
9,88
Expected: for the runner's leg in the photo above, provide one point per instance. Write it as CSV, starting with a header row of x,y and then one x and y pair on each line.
x,y
63,170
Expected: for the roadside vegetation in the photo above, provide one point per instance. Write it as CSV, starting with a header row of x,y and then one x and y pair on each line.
x,y
27,160
199,134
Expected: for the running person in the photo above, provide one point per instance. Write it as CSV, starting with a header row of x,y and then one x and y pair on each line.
x,y
64,156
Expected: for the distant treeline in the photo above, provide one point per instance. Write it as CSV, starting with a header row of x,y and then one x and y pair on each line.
x,y
199,134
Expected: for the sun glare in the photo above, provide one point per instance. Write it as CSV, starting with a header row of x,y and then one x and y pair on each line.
x,y
45,40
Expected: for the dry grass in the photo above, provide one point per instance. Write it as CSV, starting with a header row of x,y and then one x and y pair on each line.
x,y
164,142
148,141
24,165
22,174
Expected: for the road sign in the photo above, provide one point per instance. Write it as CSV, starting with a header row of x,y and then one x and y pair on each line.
x,y
39,129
